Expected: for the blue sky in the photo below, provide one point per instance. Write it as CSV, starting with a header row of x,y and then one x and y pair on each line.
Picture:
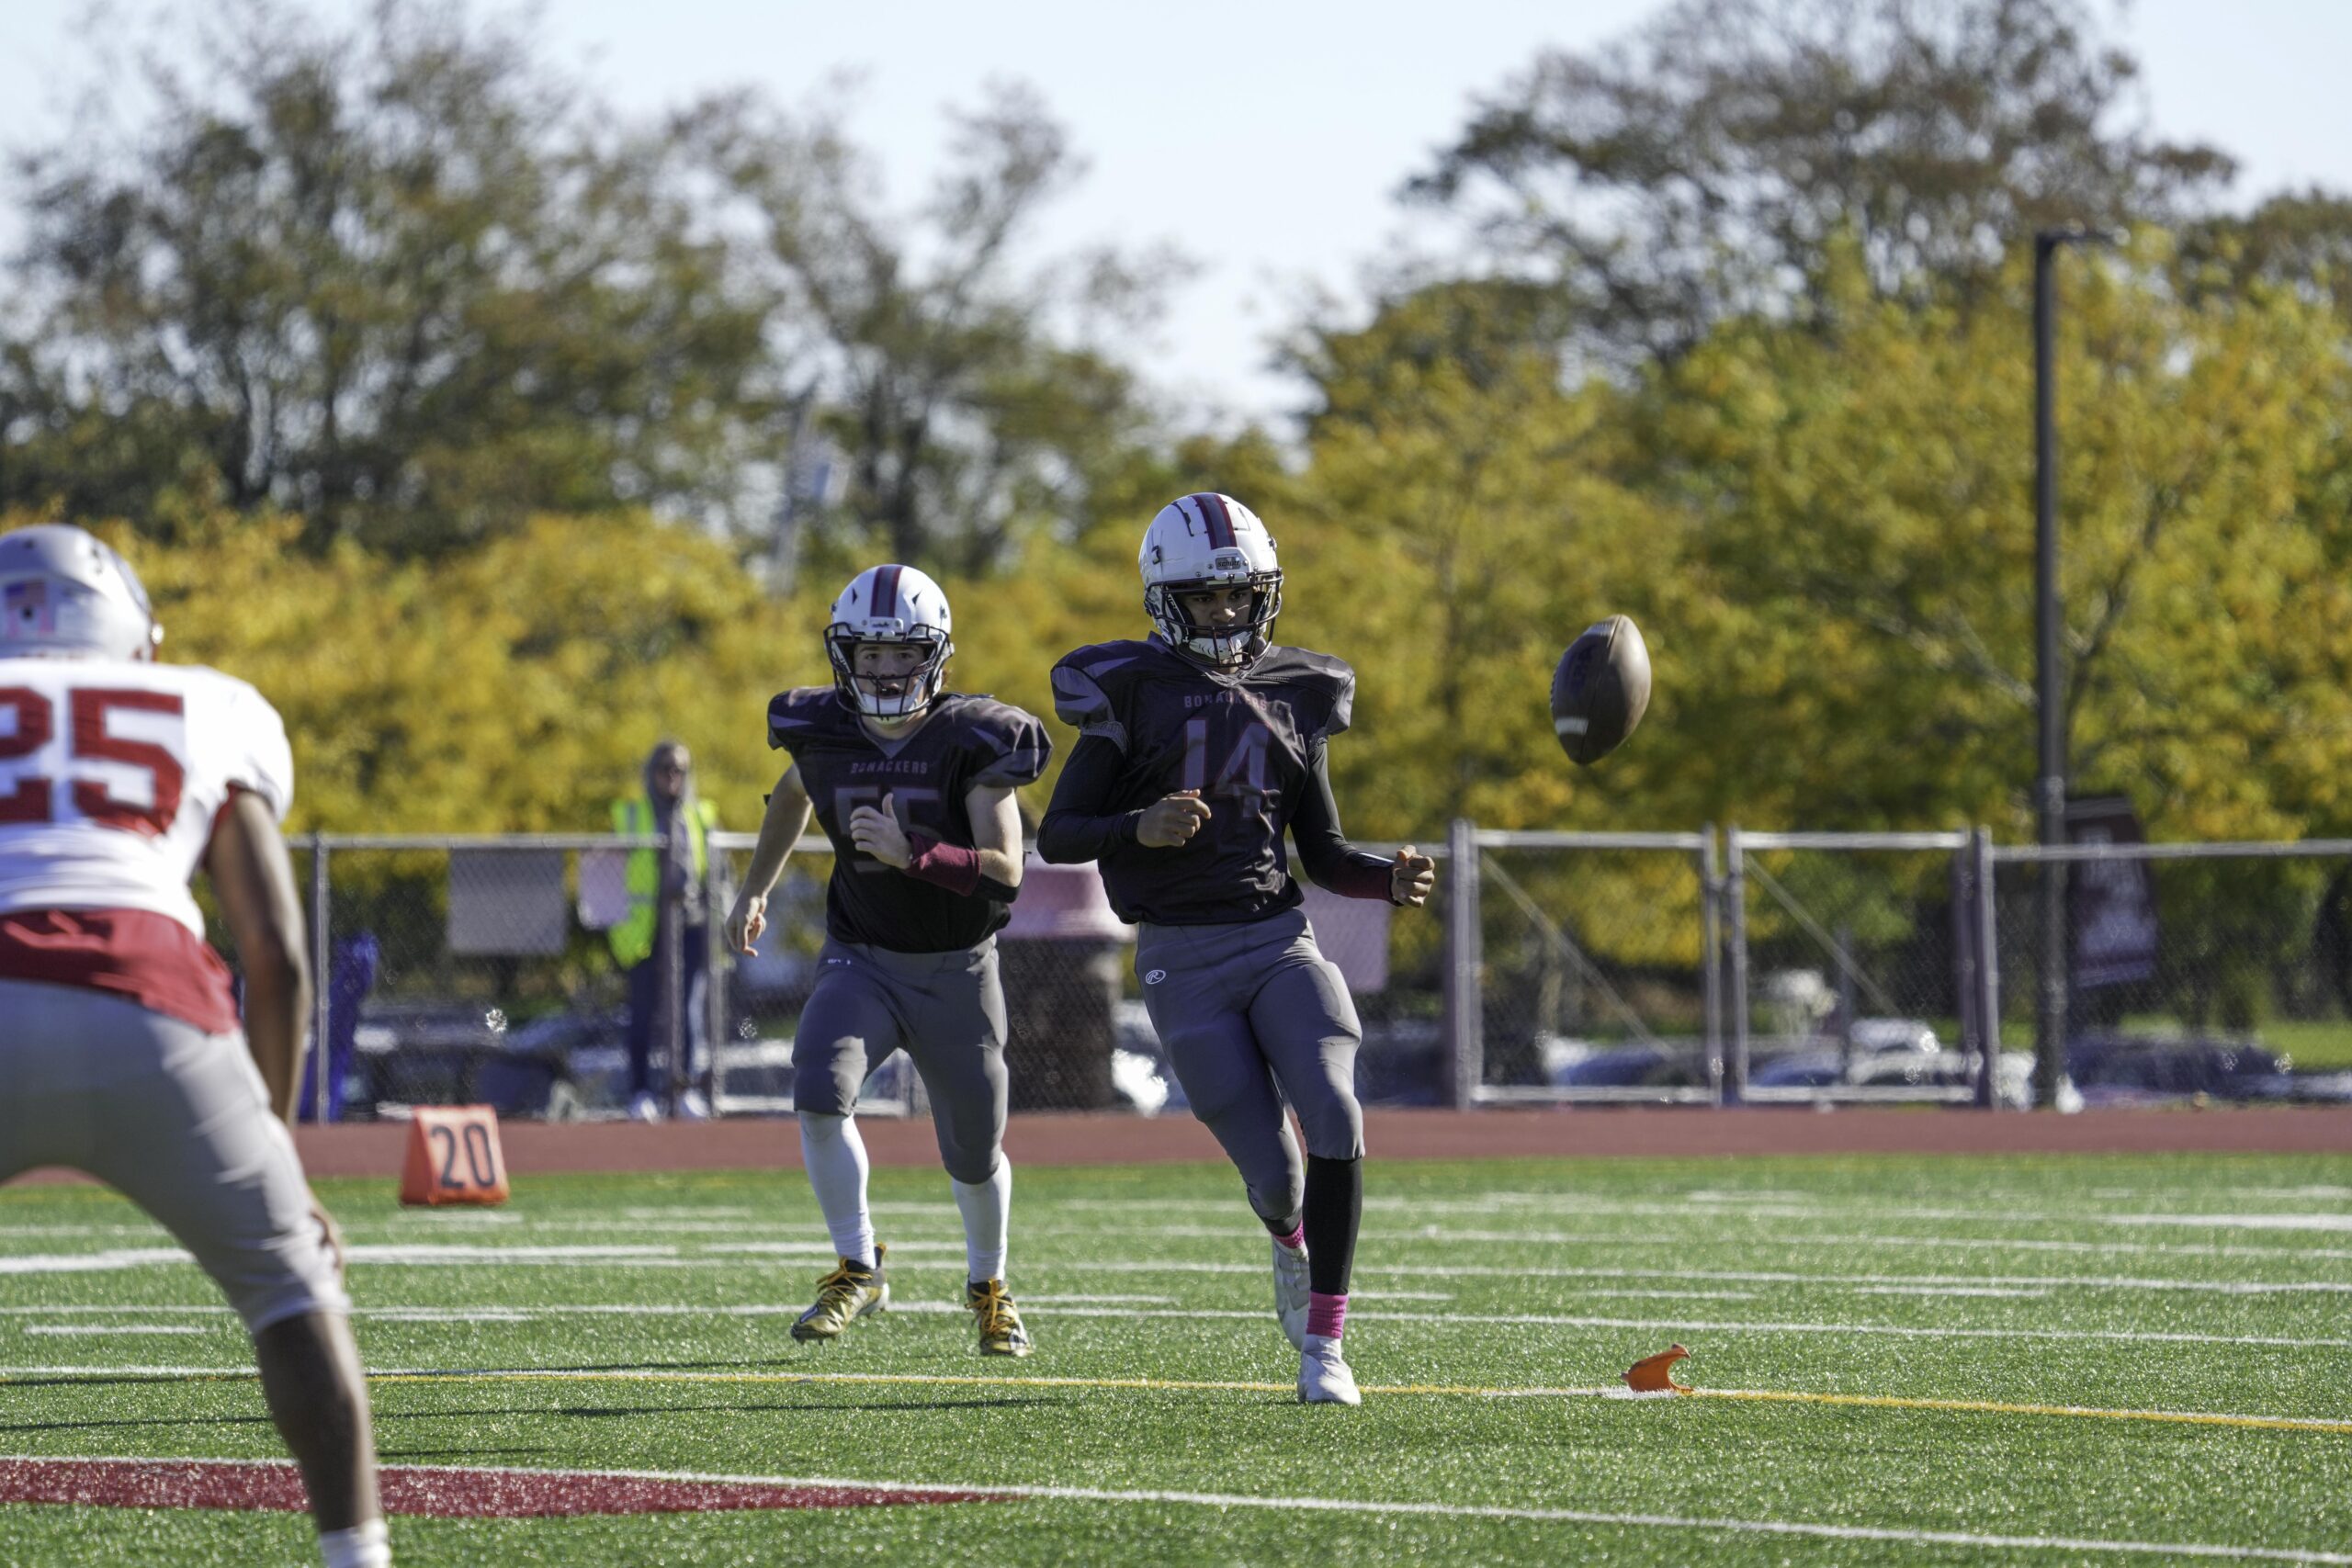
x,y
1266,140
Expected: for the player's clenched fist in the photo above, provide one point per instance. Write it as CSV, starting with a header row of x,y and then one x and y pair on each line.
x,y
1172,819
1411,878
877,832
745,921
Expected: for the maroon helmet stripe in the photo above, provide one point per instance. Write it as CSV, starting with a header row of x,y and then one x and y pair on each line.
x,y
886,591
1220,522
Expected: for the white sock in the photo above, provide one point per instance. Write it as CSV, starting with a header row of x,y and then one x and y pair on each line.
x,y
835,1156
987,1208
361,1546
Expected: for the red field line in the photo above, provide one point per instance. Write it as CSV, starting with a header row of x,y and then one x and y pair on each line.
x,y
1046,1138
535,1148
450,1493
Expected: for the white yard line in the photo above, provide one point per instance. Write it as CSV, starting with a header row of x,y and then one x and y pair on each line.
x,y
1592,1281
1373,1269
494,1252
82,1231
1990,1292
1820,1239
115,1328
815,1248
2074,1282
2334,1222
1227,1230
216,1308
136,1369
1443,1319
1699,1524
103,1262
1992,1209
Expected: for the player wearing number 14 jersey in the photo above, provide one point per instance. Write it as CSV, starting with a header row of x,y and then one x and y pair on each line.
x,y
1198,748
124,1053
914,786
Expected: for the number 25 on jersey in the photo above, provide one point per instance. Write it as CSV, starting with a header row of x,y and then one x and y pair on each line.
x,y
89,738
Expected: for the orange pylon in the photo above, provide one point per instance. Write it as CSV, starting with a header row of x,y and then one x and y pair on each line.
x,y
1655,1374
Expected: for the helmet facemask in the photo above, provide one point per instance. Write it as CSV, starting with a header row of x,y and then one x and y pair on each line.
x,y
915,691
1224,645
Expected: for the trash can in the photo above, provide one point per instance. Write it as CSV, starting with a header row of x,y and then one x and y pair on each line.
x,y
1062,957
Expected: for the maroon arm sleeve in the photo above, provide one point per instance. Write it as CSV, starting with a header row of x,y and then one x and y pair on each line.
x,y
949,865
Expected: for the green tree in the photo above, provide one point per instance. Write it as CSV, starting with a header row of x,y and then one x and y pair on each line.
x,y
396,279
1855,507
512,688
2298,240
1454,530
972,391
1696,171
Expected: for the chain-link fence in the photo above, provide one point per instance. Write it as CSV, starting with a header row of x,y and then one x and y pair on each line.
x,y
471,970
489,970
1594,967
1848,957
2213,970
1549,966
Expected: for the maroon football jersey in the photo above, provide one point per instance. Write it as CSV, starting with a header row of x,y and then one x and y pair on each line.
x,y
1240,737
966,742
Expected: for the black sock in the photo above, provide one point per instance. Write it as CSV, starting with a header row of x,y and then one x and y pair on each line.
x,y
1334,1209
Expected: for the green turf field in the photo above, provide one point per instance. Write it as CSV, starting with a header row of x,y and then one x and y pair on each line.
x,y
624,1324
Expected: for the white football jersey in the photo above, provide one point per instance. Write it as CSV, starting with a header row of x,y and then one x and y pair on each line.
x,y
112,773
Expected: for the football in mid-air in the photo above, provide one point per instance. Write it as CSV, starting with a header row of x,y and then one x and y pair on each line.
x,y
1601,689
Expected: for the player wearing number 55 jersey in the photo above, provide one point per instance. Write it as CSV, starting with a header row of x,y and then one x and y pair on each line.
x,y
122,1055
914,788
1199,746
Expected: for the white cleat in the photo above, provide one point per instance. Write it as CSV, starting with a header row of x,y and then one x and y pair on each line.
x,y
1323,1374
1291,1289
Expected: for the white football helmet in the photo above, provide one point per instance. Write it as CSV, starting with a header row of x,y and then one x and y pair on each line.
x,y
1208,540
897,604
64,593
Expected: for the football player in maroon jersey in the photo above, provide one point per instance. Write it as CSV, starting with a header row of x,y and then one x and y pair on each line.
x,y
915,787
1199,746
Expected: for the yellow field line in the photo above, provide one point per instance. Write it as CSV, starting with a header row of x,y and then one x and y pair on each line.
x,y
968,1380
1774,1396
2328,1426
1999,1407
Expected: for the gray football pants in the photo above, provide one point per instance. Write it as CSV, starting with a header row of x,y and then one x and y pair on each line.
x,y
1251,1015
177,1122
944,1010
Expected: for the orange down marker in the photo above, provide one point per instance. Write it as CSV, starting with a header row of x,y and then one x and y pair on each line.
x,y
1655,1374
453,1156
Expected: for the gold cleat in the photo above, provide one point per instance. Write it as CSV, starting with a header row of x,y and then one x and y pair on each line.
x,y
843,1296
1001,1333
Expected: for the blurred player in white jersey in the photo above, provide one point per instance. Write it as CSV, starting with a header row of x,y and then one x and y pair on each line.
x,y
123,1055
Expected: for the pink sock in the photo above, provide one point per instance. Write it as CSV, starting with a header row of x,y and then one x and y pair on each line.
x,y
1326,1317
1297,1237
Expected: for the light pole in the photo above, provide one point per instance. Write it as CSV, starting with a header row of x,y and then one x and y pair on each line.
x,y
2050,785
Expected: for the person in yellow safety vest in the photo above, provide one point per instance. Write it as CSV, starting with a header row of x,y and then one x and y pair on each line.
x,y
660,882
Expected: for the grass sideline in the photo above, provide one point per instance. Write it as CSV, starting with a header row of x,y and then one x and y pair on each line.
x,y
2041,1310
